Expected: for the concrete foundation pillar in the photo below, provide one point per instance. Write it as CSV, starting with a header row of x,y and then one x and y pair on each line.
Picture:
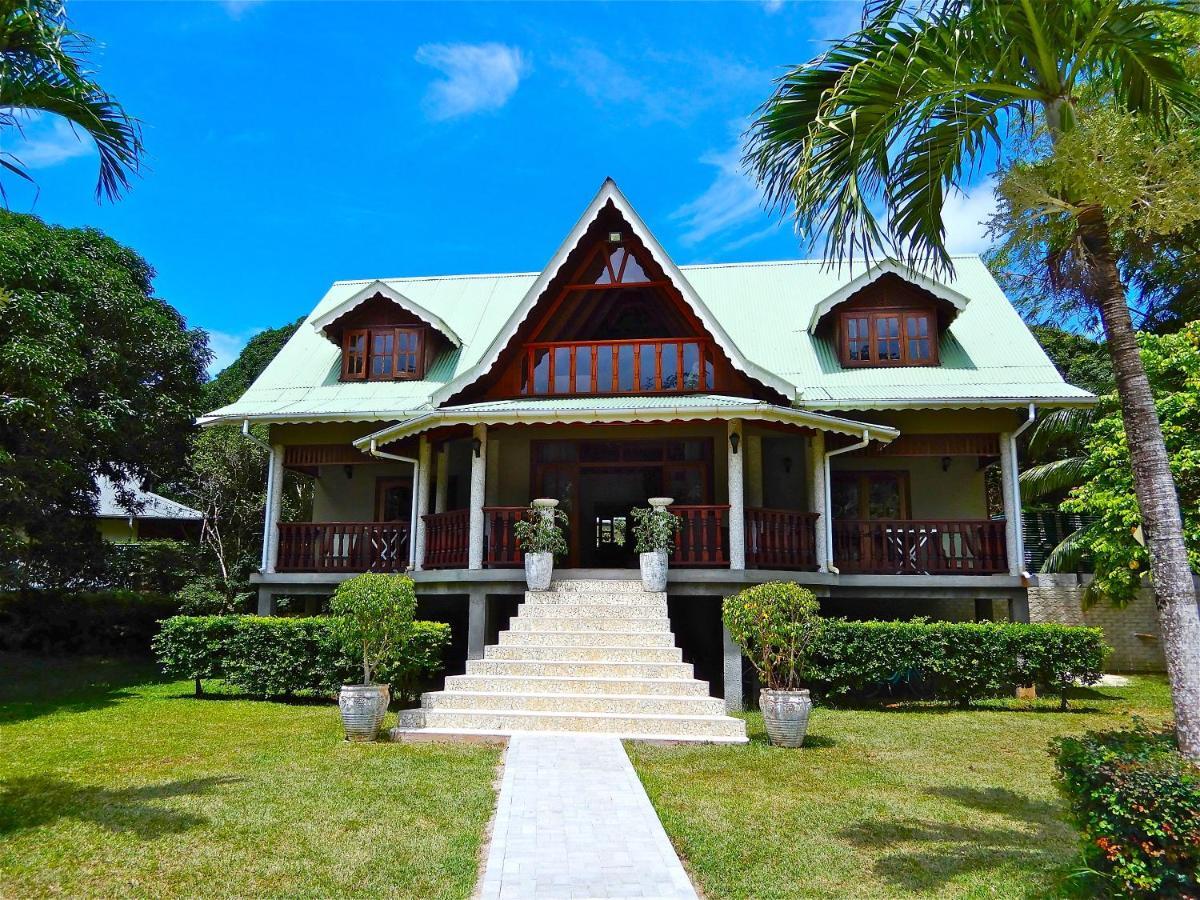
x,y
476,624
737,506
424,471
478,493
266,602
732,668
816,496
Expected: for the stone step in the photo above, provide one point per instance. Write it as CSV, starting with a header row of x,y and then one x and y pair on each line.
x,y
576,598
630,725
586,639
592,611
542,623
637,704
570,668
584,654
555,684
612,586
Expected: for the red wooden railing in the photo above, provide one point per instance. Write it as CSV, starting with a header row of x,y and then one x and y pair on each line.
x,y
781,539
342,547
920,547
702,538
500,544
672,365
446,537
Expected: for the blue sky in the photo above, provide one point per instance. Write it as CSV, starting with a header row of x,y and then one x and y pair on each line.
x,y
292,144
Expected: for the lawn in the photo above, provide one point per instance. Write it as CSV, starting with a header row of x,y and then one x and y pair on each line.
x,y
926,802
116,782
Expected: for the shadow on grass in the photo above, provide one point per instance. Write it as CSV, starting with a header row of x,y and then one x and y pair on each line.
x,y
33,686
811,741
222,696
947,849
40,800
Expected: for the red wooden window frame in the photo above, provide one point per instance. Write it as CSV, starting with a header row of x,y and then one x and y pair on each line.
x,y
858,349
402,347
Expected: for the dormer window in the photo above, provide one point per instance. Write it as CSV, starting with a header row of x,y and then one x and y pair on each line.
x,y
383,354
888,337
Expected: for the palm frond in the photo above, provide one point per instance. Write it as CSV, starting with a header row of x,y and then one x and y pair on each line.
x,y
1067,425
1053,477
1071,551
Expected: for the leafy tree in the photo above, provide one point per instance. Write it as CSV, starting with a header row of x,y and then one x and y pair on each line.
x,y
864,143
42,70
97,377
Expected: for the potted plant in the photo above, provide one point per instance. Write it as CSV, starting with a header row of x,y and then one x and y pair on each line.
x,y
372,614
777,625
540,537
654,536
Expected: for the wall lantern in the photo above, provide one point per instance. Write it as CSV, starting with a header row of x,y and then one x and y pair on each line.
x,y
734,440
476,446
946,460
349,470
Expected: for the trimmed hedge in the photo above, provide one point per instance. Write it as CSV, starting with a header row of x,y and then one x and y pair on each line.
x,y
82,622
956,661
1136,801
272,656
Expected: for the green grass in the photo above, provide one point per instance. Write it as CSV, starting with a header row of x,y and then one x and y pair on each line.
x,y
115,782
916,801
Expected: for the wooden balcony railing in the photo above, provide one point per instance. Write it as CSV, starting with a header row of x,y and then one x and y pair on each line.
x,y
500,544
672,366
342,547
920,547
781,539
703,536
446,538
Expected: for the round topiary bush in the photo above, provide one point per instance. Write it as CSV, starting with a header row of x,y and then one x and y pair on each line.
x,y
372,614
777,625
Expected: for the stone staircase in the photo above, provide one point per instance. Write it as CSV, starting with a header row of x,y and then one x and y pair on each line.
x,y
584,656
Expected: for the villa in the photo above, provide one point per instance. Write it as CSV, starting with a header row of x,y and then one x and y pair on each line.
x,y
850,429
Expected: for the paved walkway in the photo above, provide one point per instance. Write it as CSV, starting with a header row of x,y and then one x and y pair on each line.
x,y
573,820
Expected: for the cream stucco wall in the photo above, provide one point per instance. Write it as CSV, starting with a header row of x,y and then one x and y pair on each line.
x,y
957,493
337,498
118,531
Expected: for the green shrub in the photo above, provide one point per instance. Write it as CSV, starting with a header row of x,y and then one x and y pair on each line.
x,y
158,566
82,622
541,531
1136,801
956,661
271,656
372,613
653,529
777,625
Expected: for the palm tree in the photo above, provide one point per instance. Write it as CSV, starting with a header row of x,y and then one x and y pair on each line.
x,y
864,143
41,71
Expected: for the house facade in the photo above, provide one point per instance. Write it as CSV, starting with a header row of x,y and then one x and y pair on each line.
x,y
849,430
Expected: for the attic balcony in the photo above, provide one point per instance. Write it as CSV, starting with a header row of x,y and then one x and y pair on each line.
x,y
640,366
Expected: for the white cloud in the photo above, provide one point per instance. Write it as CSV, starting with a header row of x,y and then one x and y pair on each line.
x,y
40,141
731,202
965,216
772,6
237,8
478,77
226,347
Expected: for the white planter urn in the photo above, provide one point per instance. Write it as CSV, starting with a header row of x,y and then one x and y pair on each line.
x,y
785,714
654,563
363,708
539,567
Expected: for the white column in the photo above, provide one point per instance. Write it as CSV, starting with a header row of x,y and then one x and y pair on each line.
x,y
442,484
732,669
274,504
737,510
476,624
754,470
816,496
1012,504
424,470
478,488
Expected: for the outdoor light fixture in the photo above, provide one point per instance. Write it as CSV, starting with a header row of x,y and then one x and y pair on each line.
x,y
349,470
734,440
614,237
476,446
946,463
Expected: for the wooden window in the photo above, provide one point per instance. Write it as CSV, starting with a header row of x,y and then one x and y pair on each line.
x,y
889,337
383,354
870,495
393,499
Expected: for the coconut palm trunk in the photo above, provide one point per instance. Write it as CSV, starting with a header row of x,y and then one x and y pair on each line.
x,y
1158,502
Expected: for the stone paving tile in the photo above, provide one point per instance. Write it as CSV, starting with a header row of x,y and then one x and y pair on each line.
x,y
573,821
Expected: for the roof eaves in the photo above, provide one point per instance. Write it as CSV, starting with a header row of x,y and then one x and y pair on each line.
x,y
379,287
887,267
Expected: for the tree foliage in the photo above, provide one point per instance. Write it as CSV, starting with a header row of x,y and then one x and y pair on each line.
x,y
1106,483
97,377
42,69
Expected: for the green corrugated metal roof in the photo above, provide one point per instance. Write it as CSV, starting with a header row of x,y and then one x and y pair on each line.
x,y
988,356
